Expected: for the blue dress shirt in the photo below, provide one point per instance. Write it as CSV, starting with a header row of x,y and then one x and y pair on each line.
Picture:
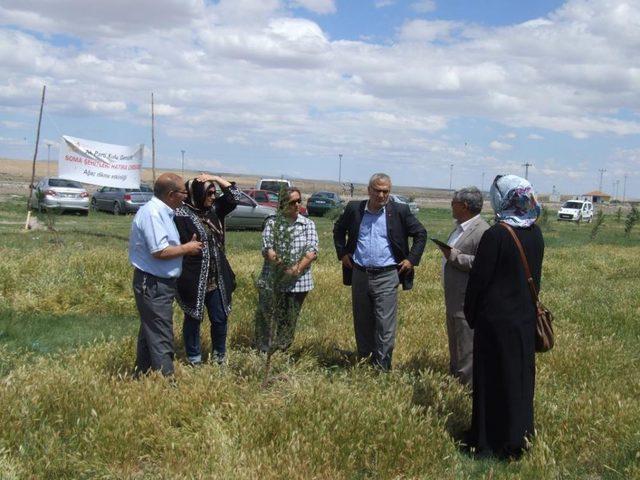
x,y
152,231
373,248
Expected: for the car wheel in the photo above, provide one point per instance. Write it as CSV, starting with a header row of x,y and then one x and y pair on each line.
x,y
94,205
116,208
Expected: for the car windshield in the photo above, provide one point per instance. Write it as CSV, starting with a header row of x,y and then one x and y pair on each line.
x,y
272,197
61,182
402,199
573,205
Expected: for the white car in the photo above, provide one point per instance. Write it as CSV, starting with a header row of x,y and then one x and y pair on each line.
x,y
413,206
576,211
273,184
60,194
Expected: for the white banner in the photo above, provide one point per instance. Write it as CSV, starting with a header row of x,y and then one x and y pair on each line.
x,y
98,163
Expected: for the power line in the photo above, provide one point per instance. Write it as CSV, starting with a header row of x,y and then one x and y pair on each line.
x,y
601,170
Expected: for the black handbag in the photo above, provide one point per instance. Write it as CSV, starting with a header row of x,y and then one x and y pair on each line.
x,y
544,317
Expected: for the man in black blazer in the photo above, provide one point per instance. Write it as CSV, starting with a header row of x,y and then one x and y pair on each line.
x,y
372,242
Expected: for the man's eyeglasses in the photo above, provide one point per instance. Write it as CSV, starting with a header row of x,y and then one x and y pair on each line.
x,y
183,192
381,190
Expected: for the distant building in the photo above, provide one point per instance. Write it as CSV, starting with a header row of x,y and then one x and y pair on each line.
x,y
596,196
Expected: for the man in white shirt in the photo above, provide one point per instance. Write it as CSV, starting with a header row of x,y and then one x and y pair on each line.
x,y
457,262
156,254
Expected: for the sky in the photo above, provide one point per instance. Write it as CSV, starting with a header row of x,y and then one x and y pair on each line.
x,y
432,92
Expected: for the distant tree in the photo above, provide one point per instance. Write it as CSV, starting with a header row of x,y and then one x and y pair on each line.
x,y
619,214
599,220
543,219
631,220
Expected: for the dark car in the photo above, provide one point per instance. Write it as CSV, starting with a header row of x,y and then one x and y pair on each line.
x,y
121,200
321,202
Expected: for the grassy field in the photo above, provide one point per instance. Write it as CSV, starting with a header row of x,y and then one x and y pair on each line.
x,y
71,410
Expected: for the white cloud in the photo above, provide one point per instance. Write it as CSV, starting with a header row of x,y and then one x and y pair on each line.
x,y
535,136
12,124
321,7
499,146
427,30
424,6
112,18
510,135
384,3
249,74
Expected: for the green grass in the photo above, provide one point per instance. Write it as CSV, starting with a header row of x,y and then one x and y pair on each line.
x,y
71,410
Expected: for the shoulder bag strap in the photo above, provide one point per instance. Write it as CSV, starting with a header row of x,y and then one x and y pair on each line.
x,y
523,257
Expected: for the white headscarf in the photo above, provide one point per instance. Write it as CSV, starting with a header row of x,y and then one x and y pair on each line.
x,y
513,200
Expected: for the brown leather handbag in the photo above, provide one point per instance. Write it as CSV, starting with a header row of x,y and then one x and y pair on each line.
x,y
544,317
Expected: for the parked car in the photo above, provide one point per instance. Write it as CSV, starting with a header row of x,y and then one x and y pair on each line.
x,y
248,215
272,184
321,202
576,211
413,206
269,199
121,200
60,194
263,197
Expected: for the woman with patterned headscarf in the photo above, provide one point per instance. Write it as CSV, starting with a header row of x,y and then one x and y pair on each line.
x,y
499,307
207,279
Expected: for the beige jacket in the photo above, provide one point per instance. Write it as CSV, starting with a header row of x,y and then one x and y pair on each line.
x,y
456,269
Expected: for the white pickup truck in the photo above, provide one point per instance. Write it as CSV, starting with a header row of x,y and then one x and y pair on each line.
x,y
576,211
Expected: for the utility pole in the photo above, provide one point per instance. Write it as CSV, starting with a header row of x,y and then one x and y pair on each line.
x,y
48,158
450,175
624,189
526,169
153,142
482,183
339,169
182,151
617,185
601,170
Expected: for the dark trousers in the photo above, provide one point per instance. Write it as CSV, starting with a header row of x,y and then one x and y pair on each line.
x,y
276,319
218,319
154,299
374,298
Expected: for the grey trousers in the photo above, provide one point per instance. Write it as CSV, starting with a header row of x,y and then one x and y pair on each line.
x,y
460,347
154,299
375,306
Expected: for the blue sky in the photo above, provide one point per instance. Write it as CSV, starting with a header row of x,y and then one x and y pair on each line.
x,y
281,87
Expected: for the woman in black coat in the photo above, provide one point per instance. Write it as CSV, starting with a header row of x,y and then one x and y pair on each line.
x,y
500,309
207,279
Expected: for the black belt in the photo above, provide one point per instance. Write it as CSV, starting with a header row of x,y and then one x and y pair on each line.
x,y
374,269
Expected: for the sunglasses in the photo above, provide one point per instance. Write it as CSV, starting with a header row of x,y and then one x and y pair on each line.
x,y
211,193
295,202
